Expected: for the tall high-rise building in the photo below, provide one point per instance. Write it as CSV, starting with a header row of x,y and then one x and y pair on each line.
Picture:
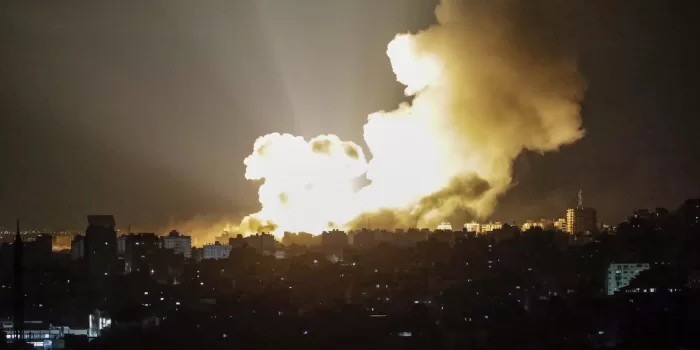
x,y
581,219
100,244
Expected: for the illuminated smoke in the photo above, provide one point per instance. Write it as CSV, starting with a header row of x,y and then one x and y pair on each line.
x,y
490,80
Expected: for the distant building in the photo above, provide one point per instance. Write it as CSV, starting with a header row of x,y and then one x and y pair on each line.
x,y
491,226
61,241
473,226
121,245
197,254
216,251
301,239
689,213
543,224
334,239
136,249
177,242
445,226
364,239
581,219
39,249
223,239
560,224
414,235
126,244
620,275
98,320
101,244
77,247
42,335
478,228
263,243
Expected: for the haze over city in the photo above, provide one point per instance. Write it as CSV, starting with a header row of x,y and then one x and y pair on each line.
x,y
147,110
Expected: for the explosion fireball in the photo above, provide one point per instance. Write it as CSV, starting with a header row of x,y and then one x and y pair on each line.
x,y
488,81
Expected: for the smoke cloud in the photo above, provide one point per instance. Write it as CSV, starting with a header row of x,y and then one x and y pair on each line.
x,y
490,80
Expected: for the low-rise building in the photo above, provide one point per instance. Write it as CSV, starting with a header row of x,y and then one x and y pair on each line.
x,y
177,242
445,226
619,275
491,226
216,251
473,226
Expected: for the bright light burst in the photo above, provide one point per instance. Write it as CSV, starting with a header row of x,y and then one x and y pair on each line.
x,y
479,98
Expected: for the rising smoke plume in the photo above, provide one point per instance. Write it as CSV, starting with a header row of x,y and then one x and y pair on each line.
x,y
488,81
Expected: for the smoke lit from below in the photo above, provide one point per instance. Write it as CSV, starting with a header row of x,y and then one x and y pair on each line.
x,y
487,82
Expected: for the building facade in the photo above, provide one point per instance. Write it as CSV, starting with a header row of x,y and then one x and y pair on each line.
x,y
478,228
581,220
491,226
560,224
473,226
101,244
77,247
620,275
543,224
445,226
216,251
177,242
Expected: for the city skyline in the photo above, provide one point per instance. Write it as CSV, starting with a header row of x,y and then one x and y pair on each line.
x,y
349,174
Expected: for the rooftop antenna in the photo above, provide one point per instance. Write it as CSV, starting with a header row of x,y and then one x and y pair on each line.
x,y
580,198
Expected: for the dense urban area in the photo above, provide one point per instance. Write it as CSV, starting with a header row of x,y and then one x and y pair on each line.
x,y
561,284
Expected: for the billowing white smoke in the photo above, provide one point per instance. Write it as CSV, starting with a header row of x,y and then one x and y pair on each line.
x,y
491,79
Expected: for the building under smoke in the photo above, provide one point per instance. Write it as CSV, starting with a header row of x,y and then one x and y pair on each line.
x,y
180,244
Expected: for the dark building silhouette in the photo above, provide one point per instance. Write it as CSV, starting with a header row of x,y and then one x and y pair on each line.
x,y
137,249
38,251
101,245
300,239
689,213
18,318
364,239
77,247
334,239
263,243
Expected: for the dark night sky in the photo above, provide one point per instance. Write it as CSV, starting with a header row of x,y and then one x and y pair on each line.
x,y
146,109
